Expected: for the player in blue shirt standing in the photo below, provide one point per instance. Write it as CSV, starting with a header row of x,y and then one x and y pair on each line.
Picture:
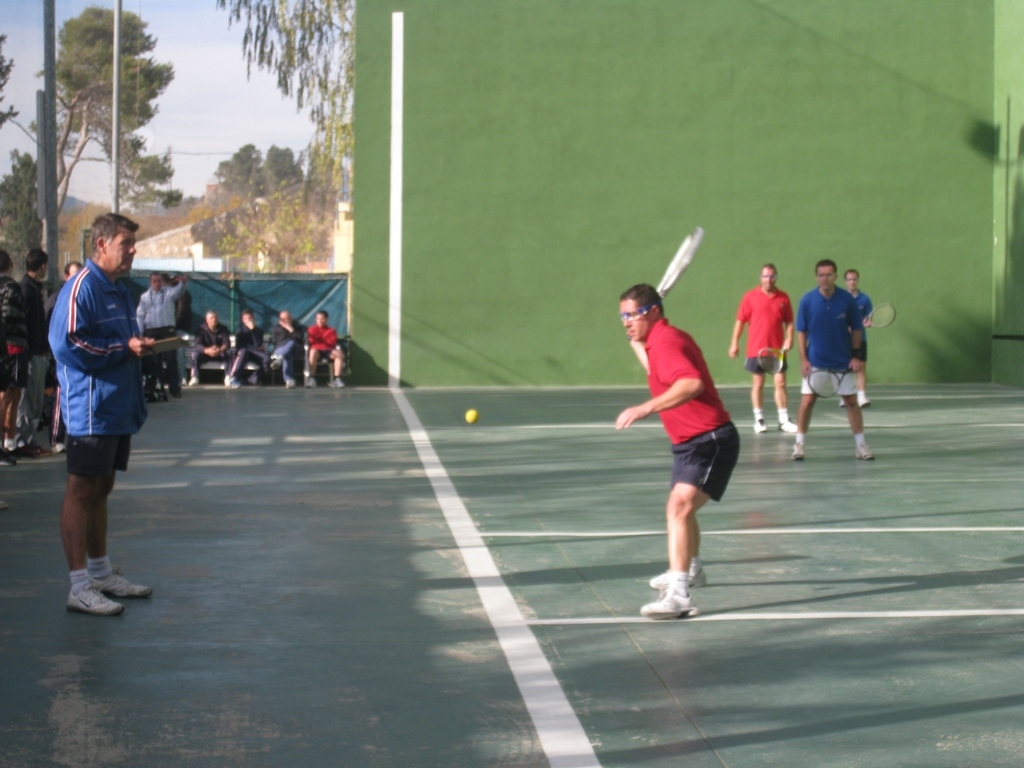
x,y
829,332
852,277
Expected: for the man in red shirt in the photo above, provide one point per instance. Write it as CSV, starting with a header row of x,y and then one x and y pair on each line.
x,y
770,315
705,444
323,342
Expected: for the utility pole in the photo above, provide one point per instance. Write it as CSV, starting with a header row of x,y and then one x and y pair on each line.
x,y
115,155
46,136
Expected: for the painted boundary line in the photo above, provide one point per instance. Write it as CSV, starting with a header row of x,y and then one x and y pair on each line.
x,y
562,737
789,616
749,532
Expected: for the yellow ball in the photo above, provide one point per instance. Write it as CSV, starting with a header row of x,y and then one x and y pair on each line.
x,y
472,416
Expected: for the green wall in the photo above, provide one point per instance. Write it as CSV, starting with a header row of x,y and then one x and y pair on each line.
x,y
1008,193
557,151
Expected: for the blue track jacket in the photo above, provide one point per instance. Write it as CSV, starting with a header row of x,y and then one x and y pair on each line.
x,y
100,379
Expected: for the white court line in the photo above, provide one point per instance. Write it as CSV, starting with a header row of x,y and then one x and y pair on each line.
x,y
751,532
561,735
788,616
840,424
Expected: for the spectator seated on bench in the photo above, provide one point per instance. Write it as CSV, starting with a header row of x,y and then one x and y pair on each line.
x,y
288,337
212,344
323,345
250,355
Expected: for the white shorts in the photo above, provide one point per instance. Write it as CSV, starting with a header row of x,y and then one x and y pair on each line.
x,y
847,386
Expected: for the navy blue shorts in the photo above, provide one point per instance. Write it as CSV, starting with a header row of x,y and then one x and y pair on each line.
x,y
98,455
707,461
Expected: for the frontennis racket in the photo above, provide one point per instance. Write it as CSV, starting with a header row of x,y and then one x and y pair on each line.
x,y
825,383
771,360
680,261
881,316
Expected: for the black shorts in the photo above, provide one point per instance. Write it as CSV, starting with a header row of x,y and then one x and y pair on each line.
x,y
98,455
18,367
753,367
862,353
707,461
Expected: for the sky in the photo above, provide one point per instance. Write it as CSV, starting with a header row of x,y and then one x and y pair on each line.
x,y
206,114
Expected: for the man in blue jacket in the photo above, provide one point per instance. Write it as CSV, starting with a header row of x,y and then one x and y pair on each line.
x,y
96,342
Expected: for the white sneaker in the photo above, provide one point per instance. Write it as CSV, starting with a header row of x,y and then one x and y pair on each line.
x,y
787,426
311,383
798,452
671,605
864,453
194,381
91,600
862,401
276,361
337,384
117,585
697,579
59,447
290,384
759,426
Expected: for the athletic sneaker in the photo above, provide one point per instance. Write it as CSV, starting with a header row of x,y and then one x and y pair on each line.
x,y
289,384
759,426
227,381
863,402
311,382
91,600
59,447
194,381
787,426
117,585
276,361
864,453
671,605
798,452
697,579
337,384
236,384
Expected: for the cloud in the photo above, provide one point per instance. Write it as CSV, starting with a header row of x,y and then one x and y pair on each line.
x,y
208,111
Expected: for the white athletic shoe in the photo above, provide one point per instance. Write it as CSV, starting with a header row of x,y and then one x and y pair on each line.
x,y
787,426
91,600
862,401
289,384
311,383
337,384
671,605
798,452
194,381
759,426
697,579
117,585
864,453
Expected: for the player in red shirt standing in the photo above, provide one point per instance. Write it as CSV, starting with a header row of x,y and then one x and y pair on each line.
x,y
770,314
323,342
705,444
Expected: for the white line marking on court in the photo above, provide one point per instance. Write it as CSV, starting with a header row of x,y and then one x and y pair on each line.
x,y
395,214
752,532
562,737
789,616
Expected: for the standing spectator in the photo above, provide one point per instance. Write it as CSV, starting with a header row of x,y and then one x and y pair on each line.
x,y
770,314
852,277
95,340
31,408
287,337
6,459
155,316
213,342
323,342
12,313
249,348
828,331
58,431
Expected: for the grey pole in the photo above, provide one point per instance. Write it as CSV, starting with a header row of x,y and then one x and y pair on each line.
x,y
46,133
115,154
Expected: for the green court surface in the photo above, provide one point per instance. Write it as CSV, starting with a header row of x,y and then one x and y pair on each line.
x,y
321,561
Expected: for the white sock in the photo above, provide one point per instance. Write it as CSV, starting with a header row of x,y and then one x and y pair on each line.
x,y
800,437
758,414
783,415
859,439
79,581
99,567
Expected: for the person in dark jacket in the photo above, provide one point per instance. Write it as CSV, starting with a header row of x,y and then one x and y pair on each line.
x,y
213,342
12,314
31,407
288,337
248,349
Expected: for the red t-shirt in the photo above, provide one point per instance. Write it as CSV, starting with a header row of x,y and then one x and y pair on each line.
x,y
672,355
766,313
322,339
